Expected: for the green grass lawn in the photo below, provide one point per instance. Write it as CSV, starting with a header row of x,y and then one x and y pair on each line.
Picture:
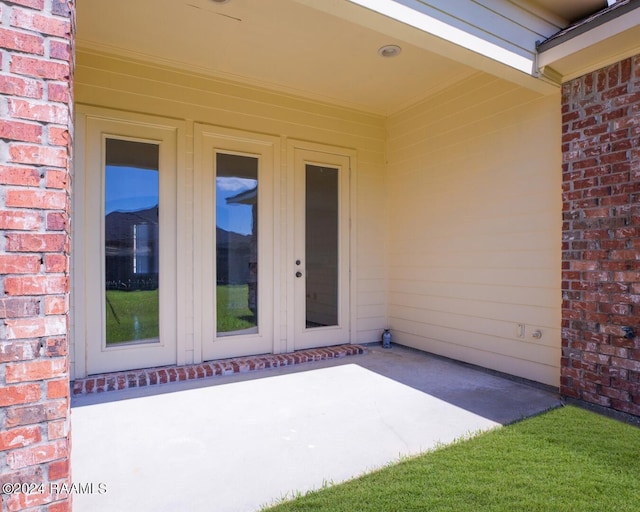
x,y
133,315
567,459
232,308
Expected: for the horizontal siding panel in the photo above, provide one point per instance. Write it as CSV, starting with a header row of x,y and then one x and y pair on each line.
x,y
370,336
440,257
376,311
259,122
417,115
498,311
495,330
160,76
472,340
476,136
539,372
529,296
474,104
372,325
504,277
498,242
366,286
371,272
474,225
138,93
372,298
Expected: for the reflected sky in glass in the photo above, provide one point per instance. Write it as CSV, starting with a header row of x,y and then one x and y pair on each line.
x,y
125,189
229,216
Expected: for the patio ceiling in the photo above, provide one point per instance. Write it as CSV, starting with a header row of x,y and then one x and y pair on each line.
x,y
295,46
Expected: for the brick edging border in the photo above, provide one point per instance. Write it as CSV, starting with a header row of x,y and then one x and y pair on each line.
x,y
166,374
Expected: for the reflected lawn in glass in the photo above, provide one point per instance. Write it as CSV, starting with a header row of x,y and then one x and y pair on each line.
x,y
131,315
233,313
131,240
236,243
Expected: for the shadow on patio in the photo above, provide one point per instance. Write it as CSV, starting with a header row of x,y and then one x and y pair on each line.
x,y
238,442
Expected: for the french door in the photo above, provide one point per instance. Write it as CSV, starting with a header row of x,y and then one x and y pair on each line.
x,y
321,254
234,241
250,215
125,266
241,256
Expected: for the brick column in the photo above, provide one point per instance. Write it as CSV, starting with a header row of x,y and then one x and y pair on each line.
x,y
601,238
36,66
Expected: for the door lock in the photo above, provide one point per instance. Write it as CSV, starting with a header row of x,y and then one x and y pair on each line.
x,y
298,274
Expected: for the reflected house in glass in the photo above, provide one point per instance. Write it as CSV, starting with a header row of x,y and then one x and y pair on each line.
x,y
131,240
243,268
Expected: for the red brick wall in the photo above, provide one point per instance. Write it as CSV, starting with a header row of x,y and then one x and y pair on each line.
x,y
35,154
601,237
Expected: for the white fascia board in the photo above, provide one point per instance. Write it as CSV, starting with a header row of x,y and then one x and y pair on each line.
x,y
593,37
430,20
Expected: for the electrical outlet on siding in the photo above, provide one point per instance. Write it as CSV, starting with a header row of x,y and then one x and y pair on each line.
x,y
535,333
528,332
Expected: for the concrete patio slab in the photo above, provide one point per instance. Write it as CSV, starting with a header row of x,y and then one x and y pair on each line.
x,y
237,443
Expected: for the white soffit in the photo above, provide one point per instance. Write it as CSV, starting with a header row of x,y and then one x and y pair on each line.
x,y
598,47
496,37
283,46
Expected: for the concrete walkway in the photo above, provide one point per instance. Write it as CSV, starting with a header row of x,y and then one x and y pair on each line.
x,y
241,442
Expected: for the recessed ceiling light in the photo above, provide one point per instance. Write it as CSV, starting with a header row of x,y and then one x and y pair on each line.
x,y
389,50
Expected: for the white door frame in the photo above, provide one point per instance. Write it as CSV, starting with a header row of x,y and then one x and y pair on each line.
x,y
91,355
298,336
209,140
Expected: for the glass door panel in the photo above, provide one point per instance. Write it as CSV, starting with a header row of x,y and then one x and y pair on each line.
x,y
126,286
321,246
236,244
131,242
234,273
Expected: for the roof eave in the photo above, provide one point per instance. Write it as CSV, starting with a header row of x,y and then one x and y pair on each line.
x,y
602,39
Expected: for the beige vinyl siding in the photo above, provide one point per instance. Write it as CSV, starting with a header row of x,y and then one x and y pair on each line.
x,y
116,83
474,226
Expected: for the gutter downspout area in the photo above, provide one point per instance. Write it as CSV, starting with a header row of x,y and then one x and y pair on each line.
x,y
616,9
561,51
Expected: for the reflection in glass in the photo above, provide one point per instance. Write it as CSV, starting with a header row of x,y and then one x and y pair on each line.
x,y
131,241
236,244
321,240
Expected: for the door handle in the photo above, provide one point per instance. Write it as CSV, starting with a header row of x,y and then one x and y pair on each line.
x,y
298,274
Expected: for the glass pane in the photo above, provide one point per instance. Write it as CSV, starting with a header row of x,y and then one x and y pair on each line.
x,y
236,244
321,243
131,241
